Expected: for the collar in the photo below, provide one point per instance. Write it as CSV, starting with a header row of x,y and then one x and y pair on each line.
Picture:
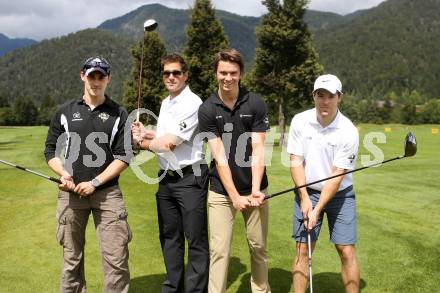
x,y
180,96
334,124
242,97
81,101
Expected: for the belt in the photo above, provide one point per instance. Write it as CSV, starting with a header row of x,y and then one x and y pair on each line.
x,y
172,173
345,190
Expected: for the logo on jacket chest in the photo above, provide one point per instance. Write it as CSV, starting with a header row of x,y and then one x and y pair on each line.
x,y
104,116
77,116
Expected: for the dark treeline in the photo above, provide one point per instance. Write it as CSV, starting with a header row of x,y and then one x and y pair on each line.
x,y
407,108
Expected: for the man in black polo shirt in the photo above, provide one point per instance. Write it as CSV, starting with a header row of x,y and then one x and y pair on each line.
x,y
235,122
91,133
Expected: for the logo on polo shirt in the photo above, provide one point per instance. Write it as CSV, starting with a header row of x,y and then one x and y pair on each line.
x,y
351,158
266,120
77,116
104,116
182,125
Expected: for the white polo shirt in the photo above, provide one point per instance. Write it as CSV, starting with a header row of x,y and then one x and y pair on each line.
x,y
178,116
324,147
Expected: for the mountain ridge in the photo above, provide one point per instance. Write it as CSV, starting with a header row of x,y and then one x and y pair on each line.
x,y
9,44
375,51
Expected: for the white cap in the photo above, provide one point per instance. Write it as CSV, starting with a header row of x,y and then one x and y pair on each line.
x,y
328,82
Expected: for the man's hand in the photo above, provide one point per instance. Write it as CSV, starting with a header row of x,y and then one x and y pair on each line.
x,y
312,219
139,132
66,182
306,209
257,198
241,202
136,131
84,189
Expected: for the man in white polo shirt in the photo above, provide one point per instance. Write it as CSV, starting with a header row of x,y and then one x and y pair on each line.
x,y
183,189
322,143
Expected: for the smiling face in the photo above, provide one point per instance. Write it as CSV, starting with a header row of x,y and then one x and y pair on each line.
x,y
228,76
95,84
174,78
326,105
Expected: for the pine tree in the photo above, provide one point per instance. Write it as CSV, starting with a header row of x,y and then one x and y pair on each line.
x,y
152,89
286,64
46,111
25,111
206,37
3,101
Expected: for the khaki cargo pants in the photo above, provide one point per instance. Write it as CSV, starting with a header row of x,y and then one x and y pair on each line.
x,y
110,218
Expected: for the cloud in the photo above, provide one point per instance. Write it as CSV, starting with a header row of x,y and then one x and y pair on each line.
x,y
249,8
342,6
40,19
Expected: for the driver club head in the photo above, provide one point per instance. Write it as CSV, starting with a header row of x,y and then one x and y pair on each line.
x,y
150,25
410,145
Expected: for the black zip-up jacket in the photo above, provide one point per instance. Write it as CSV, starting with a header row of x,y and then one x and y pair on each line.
x,y
89,139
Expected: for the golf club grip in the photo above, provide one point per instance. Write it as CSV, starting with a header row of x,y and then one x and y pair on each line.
x,y
55,180
331,177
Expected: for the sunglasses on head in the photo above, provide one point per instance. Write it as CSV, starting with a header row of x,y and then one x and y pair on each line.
x,y
96,62
175,73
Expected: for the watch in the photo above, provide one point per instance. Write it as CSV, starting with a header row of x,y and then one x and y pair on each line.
x,y
95,182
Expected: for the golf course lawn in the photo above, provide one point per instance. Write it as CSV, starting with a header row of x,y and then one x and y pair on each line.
x,y
398,207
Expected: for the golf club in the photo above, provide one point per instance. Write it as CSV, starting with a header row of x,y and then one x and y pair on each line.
x,y
410,149
149,26
309,248
30,171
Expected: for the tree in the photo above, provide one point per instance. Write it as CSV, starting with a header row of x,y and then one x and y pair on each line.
x,y
286,63
206,37
46,111
348,107
410,101
152,87
3,101
25,111
431,112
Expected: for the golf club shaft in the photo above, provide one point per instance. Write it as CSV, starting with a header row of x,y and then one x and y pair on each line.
x,y
31,171
331,177
140,79
309,248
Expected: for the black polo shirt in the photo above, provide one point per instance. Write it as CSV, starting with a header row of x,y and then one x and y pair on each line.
x,y
90,139
235,127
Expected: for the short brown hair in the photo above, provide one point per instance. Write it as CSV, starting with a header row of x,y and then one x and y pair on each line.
x,y
174,58
229,55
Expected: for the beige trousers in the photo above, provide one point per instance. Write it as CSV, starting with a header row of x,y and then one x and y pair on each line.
x,y
110,218
221,214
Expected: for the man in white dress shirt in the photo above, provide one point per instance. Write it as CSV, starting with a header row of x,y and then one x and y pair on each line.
x,y
322,143
182,193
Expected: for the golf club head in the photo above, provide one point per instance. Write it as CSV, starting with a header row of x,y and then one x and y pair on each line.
x,y
150,25
410,145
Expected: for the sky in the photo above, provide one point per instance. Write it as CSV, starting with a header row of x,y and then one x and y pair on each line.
x,y
43,19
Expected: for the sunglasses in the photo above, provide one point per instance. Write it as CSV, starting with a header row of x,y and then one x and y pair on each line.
x,y
175,73
97,62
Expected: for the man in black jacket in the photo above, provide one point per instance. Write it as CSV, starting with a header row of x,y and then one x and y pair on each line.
x,y
91,129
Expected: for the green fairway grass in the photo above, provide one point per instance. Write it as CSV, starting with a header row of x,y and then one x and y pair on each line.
x,y
398,223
